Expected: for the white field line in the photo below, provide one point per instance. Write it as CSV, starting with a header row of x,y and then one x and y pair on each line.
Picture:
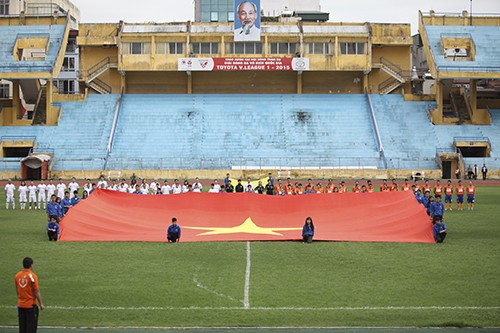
x,y
246,293
193,308
201,286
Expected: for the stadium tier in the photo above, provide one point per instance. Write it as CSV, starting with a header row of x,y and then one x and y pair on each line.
x,y
53,34
248,131
486,41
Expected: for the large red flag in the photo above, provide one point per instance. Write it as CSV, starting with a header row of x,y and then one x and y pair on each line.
x,y
364,217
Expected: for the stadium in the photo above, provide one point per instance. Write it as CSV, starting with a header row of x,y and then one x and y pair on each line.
x,y
289,96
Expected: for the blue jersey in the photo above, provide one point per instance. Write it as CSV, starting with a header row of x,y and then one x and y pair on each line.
x,y
438,228
52,209
74,201
437,209
53,226
307,230
66,203
174,229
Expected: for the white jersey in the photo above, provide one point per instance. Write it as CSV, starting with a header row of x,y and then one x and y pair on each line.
x,y
185,189
32,190
153,186
144,188
131,189
23,191
216,188
51,189
73,186
176,189
61,187
247,189
113,187
123,187
196,188
197,185
165,189
102,184
87,187
213,190
9,190
42,188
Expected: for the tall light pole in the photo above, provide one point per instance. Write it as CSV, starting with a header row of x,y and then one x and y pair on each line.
x,y
470,14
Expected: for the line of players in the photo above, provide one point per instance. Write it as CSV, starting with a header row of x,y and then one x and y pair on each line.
x,y
38,195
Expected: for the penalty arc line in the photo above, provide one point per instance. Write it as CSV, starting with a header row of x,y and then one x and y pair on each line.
x,y
246,292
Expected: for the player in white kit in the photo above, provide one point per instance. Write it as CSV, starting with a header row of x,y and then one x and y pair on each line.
x,y
23,195
51,189
32,189
165,189
9,195
61,188
73,186
42,197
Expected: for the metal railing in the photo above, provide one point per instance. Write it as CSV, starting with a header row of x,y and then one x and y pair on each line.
x,y
105,88
113,129
471,139
101,66
380,145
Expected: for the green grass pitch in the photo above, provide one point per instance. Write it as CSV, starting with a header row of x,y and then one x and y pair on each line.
x,y
291,284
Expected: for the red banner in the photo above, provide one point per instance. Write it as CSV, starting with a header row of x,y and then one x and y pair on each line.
x,y
243,64
374,217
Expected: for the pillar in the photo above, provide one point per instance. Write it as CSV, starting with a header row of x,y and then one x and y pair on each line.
x,y
299,82
51,113
16,102
437,115
189,83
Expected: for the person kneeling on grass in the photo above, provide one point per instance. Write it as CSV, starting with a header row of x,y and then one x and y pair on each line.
x,y
440,230
174,232
308,231
53,229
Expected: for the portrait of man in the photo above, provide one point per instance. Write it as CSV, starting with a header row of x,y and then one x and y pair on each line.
x,y
247,22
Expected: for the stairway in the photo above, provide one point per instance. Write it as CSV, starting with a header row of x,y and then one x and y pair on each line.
x,y
396,78
95,71
460,107
40,111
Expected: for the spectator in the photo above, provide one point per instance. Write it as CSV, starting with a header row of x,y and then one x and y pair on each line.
x,y
457,173
308,231
484,171
470,173
53,229
476,171
226,180
269,187
174,232
440,231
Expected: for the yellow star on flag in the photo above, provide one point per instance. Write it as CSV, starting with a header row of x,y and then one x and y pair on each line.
x,y
247,227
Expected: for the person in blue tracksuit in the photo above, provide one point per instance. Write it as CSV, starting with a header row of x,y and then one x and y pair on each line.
x,y
53,229
308,230
174,232
440,231
437,209
52,208
66,203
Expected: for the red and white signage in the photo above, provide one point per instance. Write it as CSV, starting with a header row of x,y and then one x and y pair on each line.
x,y
243,64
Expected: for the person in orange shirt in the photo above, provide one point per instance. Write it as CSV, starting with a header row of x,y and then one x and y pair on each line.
x,y
356,188
28,297
330,186
394,186
278,188
289,184
342,187
448,195
406,186
319,189
471,191
426,187
370,188
460,190
438,189
289,189
299,190
384,186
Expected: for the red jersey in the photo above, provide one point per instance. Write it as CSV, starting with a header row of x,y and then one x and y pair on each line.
x,y
406,187
426,188
460,190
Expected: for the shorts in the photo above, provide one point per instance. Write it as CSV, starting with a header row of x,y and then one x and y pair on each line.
x,y
42,197
470,198
448,198
10,198
460,199
33,198
22,197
